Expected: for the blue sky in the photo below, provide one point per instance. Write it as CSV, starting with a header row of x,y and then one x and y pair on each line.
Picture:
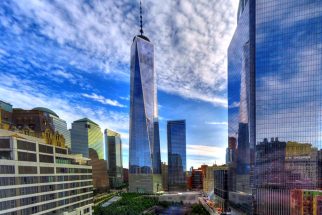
x,y
73,57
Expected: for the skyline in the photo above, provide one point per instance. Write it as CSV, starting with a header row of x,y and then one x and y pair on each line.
x,y
81,75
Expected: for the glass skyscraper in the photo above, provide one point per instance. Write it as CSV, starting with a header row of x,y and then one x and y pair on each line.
x,y
144,145
113,151
275,103
176,133
86,134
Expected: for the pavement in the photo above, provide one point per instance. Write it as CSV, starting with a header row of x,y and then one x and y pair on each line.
x,y
111,201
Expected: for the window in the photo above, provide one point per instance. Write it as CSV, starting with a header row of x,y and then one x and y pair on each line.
x,y
24,145
61,151
27,170
7,205
28,180
45,149
4,143
46,159
7,193
5,155
5,169
46,170
28,190
24,156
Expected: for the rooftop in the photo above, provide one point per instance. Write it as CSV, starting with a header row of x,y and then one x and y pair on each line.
x,y
86,120
46,110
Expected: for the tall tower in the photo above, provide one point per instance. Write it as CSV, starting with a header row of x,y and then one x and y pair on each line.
x,y
176,135
144,145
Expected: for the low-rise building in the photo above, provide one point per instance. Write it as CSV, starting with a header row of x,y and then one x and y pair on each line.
x,y
39,178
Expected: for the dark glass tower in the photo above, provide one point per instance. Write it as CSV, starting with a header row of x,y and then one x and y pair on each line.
x,y
176,132
277,46
144,144
113,152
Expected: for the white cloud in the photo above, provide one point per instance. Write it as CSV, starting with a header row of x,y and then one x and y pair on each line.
x,y
103,100
217,123
190,38
205,150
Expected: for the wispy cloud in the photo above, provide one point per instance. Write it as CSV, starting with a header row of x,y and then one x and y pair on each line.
x,y
103,100
190,39
205,150
217,123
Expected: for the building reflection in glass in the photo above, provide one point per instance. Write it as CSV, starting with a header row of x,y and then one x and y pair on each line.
x,y
284,98
176,132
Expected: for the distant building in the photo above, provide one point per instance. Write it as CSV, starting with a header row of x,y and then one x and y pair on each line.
x,y
40,178
209,179
164,172
196,180
100,177
221,187
113,151
176,134
86,134
5,115
125,175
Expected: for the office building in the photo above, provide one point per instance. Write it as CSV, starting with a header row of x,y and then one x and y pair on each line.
x,y
221,188
176,135
144,150
59,124
5,115
197,180
101,183
274,91
164,172
125,175
86,134
113,151
209,177
39,178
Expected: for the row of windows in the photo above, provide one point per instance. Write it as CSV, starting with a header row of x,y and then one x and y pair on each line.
x,y
7,181
72,170
7,205
46,188
36,209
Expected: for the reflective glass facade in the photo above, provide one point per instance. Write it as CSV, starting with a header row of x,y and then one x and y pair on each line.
x,y
176,133
241,109
288,101
113,151
86,134
60,125
275,101
144,145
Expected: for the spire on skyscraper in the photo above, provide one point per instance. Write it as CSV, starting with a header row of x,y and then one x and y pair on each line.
x,y
141,23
